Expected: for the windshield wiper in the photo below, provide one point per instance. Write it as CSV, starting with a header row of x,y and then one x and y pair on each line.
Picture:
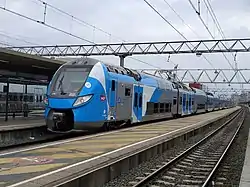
x,y
61,85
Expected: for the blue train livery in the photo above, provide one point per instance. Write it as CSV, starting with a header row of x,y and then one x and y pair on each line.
x,y
87,94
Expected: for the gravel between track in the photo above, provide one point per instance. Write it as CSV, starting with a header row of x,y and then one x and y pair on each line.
x,y
125,178
229,172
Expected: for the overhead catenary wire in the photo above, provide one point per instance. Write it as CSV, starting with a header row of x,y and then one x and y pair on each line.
x,y
204,24
80,20
94,27
5,44
63,31
215,20
183,21
17,39
215,17
212,13
47,25
156,11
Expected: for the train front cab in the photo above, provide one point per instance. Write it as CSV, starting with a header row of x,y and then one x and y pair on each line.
x,y
76,99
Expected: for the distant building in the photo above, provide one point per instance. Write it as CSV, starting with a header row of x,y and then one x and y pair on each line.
x,y
243,97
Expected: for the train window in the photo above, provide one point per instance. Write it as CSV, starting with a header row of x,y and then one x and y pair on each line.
x,y
192,102
180,100
150,108
174,101
127,91
113,85
161,107
136,100
166,107
156,107
140,100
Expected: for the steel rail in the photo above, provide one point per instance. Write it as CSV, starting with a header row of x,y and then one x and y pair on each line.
x,y
180,156
206,183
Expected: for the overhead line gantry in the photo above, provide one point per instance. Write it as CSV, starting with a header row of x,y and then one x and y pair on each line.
x,y
141,48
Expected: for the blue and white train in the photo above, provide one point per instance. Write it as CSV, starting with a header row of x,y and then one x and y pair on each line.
x,y
88,95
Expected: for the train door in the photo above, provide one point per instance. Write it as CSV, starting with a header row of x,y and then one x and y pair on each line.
x,y
187,103
112,97
180,109
193,104
184,103
124,101
174,107
190,103
207,104
175,102
137,103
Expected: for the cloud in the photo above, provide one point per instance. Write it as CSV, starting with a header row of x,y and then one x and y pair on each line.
x,y
130,20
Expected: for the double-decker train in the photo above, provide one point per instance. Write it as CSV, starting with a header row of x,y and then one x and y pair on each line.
x,y
86,94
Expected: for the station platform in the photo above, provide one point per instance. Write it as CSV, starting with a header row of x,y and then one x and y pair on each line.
x,y
19,123
245,176
45,164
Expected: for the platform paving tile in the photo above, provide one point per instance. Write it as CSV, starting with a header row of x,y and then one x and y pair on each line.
x,y
245,176
25,165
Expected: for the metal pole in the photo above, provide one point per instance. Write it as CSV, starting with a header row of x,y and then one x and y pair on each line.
x,y
122,57
7,101
25,112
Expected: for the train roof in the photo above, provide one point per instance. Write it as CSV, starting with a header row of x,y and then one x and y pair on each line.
x,y
146,78
199,91
210,94
81,61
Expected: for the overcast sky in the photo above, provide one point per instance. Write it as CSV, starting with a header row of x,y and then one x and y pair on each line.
x,y
130,20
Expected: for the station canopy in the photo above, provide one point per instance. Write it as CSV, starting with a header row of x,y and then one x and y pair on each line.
x,y
17,67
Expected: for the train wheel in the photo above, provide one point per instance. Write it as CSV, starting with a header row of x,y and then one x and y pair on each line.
x,y
106,126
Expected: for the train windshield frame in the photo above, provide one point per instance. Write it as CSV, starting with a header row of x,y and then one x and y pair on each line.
x,y
69,81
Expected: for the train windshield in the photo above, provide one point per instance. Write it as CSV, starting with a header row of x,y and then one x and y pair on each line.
x,y
69,80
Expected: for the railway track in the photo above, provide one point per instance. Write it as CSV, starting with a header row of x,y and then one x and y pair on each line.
x,y
196,165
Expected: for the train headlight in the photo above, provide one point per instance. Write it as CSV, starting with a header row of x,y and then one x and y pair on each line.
x,y
46,100
83,99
